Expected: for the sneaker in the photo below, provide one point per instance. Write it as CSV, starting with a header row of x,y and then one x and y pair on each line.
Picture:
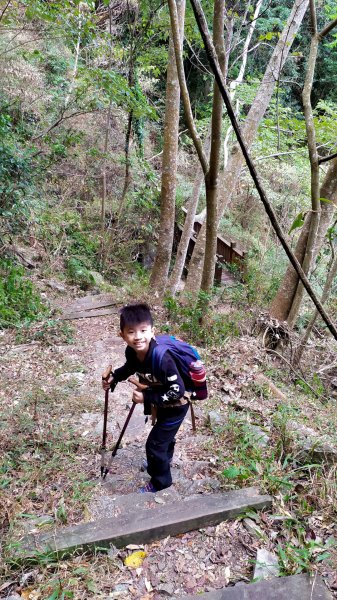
x,y
148,487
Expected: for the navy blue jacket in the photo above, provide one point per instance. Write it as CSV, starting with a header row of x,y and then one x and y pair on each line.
x,y
165,387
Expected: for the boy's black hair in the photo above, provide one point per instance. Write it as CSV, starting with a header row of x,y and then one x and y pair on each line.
x,y
134,314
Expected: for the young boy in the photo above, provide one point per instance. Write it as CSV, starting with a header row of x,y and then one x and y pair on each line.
x,y
165,395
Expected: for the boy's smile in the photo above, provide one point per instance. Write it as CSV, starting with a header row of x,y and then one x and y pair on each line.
x,y
138,337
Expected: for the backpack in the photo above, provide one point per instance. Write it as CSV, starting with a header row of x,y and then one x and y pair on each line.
x,y
188,362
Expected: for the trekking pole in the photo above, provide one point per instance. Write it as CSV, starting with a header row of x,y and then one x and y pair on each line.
x,y
114,452
105,377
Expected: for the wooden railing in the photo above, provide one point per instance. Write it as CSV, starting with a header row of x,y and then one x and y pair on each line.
x,y
226,251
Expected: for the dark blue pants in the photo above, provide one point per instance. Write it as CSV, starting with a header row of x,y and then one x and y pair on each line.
x,y
160,444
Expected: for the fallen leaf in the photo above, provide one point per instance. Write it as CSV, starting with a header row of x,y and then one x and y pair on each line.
x,y
148,585
86,514
30,594
135,559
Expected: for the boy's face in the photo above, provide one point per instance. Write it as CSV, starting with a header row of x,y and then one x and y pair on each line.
x,y
138,337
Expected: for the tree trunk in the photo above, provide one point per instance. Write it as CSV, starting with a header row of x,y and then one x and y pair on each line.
x,y
161,265
104,186
178,268
255,114
283,300
314,167
332,272
105,151
127,174
212,177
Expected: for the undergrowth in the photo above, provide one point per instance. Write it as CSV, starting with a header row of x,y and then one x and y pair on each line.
x,y
255,451
199,324
20,302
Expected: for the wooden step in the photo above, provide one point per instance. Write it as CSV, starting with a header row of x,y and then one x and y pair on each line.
x,y
144,525
295,587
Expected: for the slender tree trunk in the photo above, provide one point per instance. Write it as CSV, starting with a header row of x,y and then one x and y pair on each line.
x,y
212,177
178,268
332,272
234,84
255,114
161,265
105,150
127,174
314,166
104,186
283,300
131,83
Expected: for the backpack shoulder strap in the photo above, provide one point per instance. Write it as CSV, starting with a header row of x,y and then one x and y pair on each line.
x,y
157,357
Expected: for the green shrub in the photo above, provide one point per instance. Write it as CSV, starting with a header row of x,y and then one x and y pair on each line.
x,y
200,323
17,193
19,301
78,274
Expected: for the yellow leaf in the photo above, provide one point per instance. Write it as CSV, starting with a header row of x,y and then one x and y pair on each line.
x,y
135,559
86,514
30,594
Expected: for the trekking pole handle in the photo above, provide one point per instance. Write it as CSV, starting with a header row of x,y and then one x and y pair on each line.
x,y
107,372
140,386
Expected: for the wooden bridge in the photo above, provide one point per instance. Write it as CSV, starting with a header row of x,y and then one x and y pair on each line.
x,y
227,252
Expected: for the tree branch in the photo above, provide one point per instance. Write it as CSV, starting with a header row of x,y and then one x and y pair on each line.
x,y
202,25
326,158
183,87
327,29
60,119
4,10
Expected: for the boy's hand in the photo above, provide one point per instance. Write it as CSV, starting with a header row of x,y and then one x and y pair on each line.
x,y
106,383
138,397
107,378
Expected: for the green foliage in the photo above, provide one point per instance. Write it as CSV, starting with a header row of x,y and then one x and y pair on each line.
x,y
304,555
315,387
262,277
298,222
64,232
17,193
78,274
19,301
200,325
